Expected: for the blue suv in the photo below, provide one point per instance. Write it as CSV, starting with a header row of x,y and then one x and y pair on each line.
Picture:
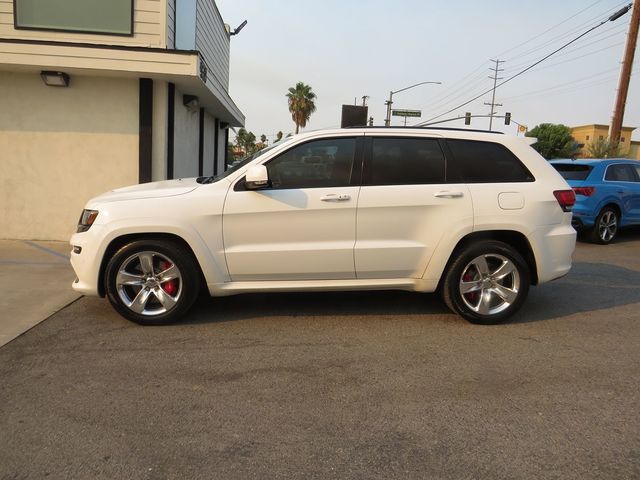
x,y
607,195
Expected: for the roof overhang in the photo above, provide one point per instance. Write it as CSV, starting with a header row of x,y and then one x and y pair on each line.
x,y
183,68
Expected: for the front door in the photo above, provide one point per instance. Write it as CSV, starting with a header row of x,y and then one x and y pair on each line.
x,y
302,227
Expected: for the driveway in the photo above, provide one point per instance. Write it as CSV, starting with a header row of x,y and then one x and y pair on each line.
x,y
35,281
359,385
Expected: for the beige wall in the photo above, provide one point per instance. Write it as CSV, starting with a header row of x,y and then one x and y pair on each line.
x,y
149,27
61,146
209,143
186,138
586,134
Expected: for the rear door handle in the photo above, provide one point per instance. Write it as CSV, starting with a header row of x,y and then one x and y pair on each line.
x,y
446,194
333,197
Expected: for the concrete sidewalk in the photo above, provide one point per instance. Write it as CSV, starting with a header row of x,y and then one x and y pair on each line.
x,y
35,281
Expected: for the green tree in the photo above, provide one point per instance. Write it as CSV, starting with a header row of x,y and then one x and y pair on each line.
x,y
246,141
301,104
554,140
604,148
278,136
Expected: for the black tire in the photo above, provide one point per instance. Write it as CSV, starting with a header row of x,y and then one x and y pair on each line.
x,y
605,229
464,273
152,282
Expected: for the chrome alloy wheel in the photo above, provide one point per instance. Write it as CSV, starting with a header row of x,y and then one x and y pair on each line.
x,y
489,284
149,283
608,226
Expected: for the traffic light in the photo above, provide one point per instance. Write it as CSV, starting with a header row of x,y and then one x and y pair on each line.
x,y
467,118
507,118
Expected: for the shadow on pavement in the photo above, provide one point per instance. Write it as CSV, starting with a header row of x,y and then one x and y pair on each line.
x,y
625,235
588,287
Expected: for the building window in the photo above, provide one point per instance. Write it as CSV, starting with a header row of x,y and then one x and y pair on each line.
x,y
113,17
622,139
601,137
588,137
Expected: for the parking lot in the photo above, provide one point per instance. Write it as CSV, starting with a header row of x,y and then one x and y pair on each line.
x,y
340,385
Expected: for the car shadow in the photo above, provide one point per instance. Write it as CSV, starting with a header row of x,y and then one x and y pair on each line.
x,y
625,235
588,287
315,304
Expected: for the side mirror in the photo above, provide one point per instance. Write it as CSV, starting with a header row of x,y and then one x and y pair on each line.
x,y
257,177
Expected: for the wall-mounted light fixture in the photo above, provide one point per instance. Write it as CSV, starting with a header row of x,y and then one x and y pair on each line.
x,y
191,102
55,79
238,28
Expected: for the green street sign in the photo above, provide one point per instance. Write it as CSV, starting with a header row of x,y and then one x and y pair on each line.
x,y
406,113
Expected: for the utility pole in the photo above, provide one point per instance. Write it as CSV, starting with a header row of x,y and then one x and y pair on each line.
x,y
625,75
495,79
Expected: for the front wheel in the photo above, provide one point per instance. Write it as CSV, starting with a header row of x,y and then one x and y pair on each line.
x,y
486,283
605,228
152,282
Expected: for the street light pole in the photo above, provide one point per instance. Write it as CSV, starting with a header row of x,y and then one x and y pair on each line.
x,y
388,103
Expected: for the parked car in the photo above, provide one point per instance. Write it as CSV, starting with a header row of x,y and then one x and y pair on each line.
x,y
477,216
607,195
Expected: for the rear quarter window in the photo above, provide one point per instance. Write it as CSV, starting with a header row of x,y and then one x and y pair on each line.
x,y
572,171
486,162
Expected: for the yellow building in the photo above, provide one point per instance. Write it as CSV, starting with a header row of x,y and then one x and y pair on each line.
x,y
586,134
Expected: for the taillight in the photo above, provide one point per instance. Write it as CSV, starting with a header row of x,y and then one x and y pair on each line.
x,y
584,191
566,199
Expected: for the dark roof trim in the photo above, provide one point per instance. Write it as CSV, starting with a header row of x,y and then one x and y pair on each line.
x,y
399,127
98,45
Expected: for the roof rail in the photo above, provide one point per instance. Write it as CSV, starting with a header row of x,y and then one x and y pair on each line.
x,y
428,128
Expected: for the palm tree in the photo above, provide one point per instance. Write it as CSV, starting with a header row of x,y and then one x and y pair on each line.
x,y
301,104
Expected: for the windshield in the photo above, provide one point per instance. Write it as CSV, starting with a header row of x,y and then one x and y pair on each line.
x,y
237,165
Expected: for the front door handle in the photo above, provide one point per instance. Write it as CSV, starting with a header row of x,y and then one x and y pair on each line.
x,y
333,197
447,194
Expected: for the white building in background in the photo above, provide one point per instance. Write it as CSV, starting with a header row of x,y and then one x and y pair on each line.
x,y
97,94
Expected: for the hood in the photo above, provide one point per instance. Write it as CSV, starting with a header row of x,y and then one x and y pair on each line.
x,y
165,188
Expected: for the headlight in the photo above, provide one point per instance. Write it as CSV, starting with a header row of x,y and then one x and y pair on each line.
x,y
86,220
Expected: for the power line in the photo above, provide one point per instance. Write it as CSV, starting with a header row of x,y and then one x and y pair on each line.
x,y
613,17
549,29
598,37
568,33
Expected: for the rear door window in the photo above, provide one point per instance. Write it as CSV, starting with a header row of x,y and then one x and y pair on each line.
x,y
485,162
620,173
572,171
404,161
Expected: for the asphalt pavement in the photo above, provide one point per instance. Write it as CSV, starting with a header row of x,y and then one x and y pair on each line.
x,y
338,385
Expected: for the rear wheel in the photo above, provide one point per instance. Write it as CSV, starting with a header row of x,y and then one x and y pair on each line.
x,y
152,282
487,282
605,228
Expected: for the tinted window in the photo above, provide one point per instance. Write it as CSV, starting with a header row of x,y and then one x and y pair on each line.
x,y
620,173
405,161
320,163
486,162
573,171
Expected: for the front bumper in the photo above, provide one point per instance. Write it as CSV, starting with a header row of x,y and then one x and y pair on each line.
x,y
86,264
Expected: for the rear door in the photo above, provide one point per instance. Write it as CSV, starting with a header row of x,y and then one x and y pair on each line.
x,y
406,206
623,179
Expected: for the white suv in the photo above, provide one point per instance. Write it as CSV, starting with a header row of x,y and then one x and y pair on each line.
x,y
478,216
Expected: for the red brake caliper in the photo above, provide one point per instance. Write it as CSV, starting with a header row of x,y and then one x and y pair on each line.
x,y
171,287
472,296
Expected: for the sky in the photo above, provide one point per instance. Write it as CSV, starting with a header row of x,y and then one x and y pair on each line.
x,y
345,49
